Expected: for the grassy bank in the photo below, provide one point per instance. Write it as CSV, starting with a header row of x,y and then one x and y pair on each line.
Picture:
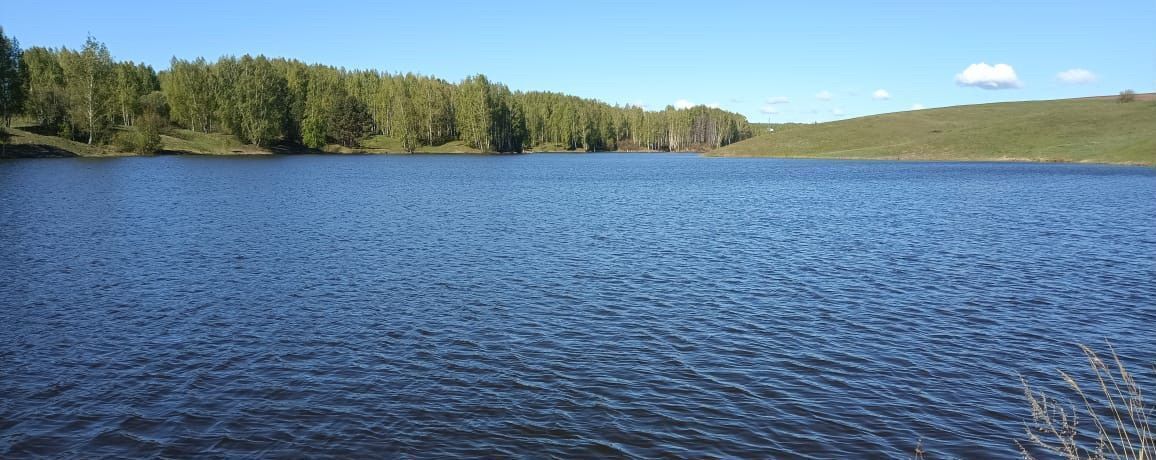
x,y
383,144
26,141
1097,130
192,142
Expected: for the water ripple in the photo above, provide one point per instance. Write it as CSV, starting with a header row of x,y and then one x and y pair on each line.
x,y
649,306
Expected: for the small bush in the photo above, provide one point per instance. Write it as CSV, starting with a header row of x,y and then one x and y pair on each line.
x,y
126,141
144,138
149,126
1126,96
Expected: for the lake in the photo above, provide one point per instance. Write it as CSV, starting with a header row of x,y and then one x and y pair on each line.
x,y
566,305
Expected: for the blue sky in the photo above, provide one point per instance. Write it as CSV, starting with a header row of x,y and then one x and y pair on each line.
x,y
772,61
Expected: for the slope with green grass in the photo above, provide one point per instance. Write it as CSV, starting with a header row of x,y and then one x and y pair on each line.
x,y
383,144
1097,130
193,142
28,143
32,142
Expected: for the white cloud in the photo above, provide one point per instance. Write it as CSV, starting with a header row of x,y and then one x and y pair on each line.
x,y
838,112
982,75
683,104
1077,76
769,110
881,95
778,100
824,95
917,106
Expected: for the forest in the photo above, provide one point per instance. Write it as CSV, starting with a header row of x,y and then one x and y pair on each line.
x,y
88,96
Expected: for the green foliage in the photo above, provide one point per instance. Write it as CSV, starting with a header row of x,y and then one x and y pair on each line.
x,y
350,121
150,127
156,103
406,124
88,77
143,138
190,89
589,125
12,89
297,85
47,100
152,121
261,98
132,82
262,101
322,93
488,116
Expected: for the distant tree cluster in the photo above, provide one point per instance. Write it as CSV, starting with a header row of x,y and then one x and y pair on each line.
x,y
590,125
85,94
264,100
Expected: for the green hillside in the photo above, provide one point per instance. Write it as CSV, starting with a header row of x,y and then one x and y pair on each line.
x,y
1098,130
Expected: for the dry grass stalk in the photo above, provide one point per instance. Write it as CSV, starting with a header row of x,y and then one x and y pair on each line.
x,y
1121,418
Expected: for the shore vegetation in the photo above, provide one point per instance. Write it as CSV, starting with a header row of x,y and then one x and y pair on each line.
x,y
277,104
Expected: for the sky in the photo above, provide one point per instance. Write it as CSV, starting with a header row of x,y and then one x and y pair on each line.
x,y
799,61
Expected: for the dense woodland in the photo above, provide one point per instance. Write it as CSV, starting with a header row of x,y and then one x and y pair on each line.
x,y
86,95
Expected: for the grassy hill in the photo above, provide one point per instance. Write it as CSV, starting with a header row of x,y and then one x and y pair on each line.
x,y
1072,130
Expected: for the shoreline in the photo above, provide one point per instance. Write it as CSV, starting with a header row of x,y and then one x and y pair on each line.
x,y
962,159
44,151
30,145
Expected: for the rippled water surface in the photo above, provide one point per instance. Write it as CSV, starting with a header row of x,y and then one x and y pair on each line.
x,y
555,305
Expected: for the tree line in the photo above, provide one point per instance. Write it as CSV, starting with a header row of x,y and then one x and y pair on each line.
x,y
85,95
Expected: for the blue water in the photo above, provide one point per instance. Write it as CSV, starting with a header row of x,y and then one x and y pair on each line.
x,y
574,306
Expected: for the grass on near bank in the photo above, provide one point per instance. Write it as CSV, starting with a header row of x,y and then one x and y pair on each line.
x,y
1106,417
1072,130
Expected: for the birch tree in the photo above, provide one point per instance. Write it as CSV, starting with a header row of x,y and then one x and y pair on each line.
x,y
87,77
